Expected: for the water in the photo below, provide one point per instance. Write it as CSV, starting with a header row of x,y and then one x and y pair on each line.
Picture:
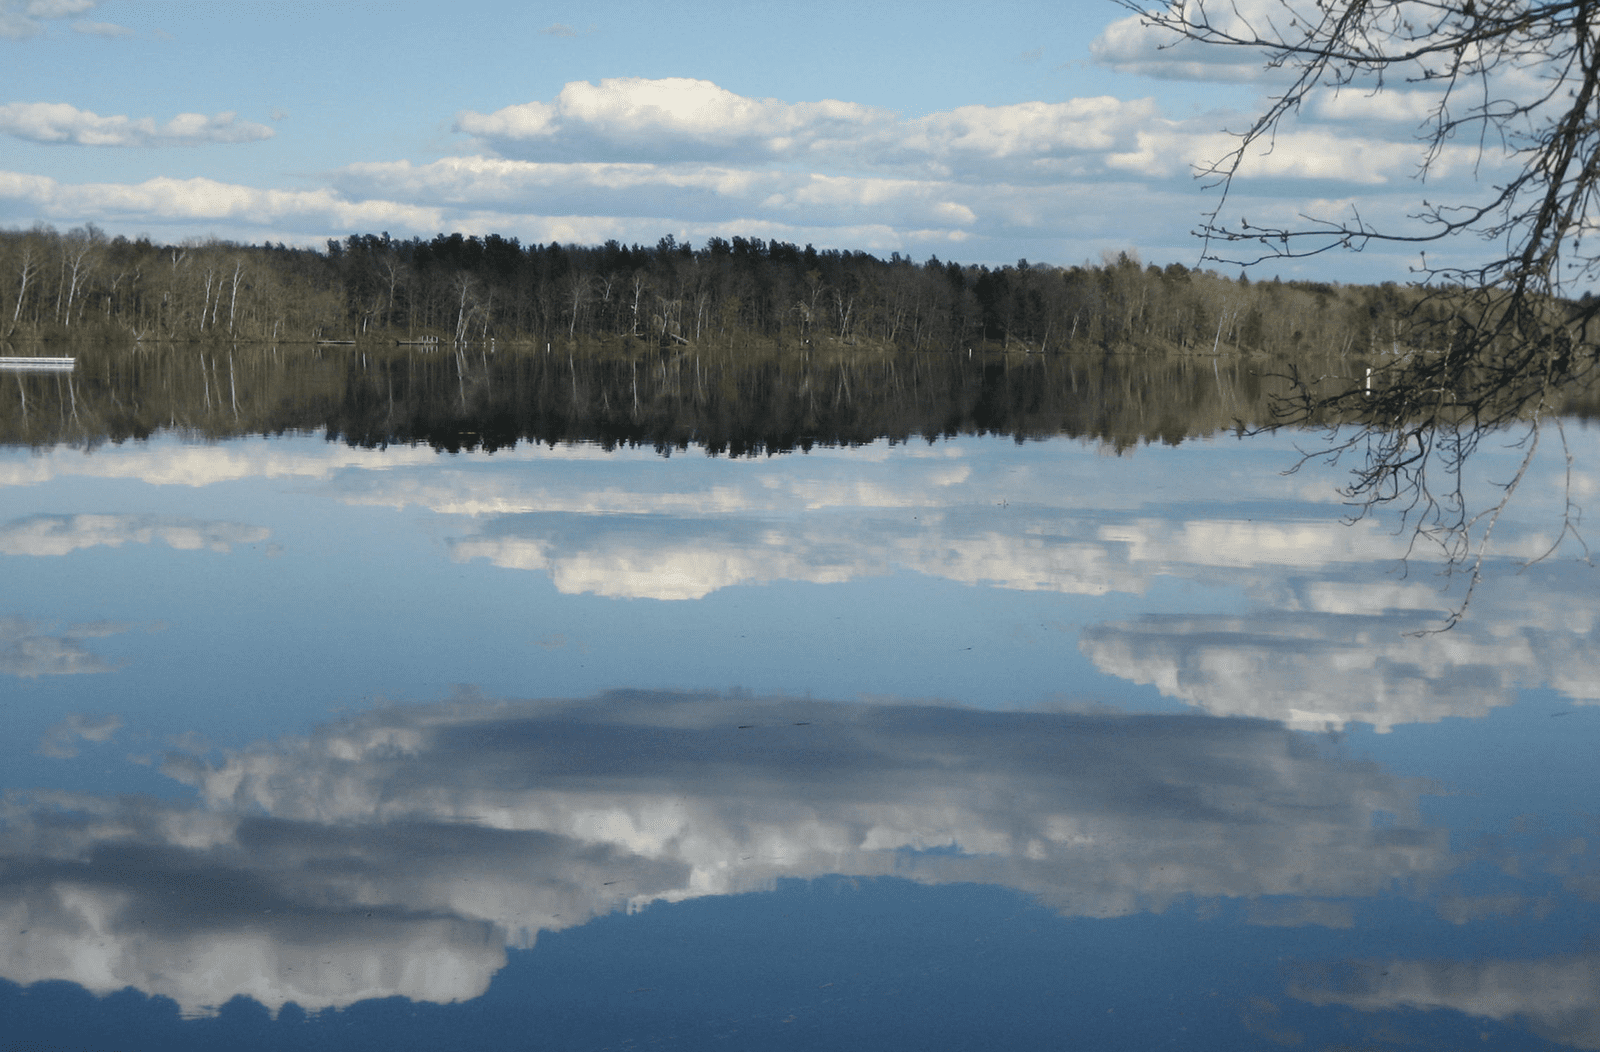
x,y
912,742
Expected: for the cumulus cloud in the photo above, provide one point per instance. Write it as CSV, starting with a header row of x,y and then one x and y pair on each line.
x,y
1330,639
1326,639
399,852
1315,671
698,159
650,539
57,8
101,29
653,557
1557,998
662,557
177,464
632,158
673,116
20,19
655,774
1318,653
59,122
61,534
1336,650
170,199
478,493
114,902
678,119
1131,45
693,192
1412,107
61,740
1298,154
31,648
686,545
1128,45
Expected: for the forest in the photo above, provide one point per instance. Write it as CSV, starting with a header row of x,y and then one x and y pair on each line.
x,y
78,286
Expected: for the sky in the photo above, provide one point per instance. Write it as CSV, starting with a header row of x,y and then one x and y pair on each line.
x,y
1054,132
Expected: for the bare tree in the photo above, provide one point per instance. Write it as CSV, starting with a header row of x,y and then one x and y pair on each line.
x,y
233,293
79,251
464,284
579,287
26,265
1496,339
393,274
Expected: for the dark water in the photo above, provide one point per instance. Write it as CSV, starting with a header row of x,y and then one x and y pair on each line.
x,y
953,704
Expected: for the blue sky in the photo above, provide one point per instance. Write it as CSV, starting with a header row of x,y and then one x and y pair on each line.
x,y
1052,131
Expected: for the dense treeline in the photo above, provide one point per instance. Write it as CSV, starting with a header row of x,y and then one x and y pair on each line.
x,y
80,285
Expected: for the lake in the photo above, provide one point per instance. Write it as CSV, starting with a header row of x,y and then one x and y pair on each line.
x,y
400,698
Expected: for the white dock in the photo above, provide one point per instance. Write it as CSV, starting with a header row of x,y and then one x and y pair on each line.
x,y
39,363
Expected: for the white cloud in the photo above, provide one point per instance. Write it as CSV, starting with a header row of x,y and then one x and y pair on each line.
x,y
678,120
1338,649
1324,641
1028,130
1396,104
42,535
670,537
400,851
58,8
1314,672
1362,134
631,158
648,561
639,202
1128,45
20,19
634,158
1245,543
1556,997
523,121
685,555
206,200
171,463
1298,153
33,648
145,922
484,181
101,29
689,191
674,116
60,740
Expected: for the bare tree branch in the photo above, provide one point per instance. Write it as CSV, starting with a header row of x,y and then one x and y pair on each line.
x,y
1493,343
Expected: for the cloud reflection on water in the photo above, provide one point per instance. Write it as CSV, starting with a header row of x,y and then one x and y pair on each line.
x,y
30,648
1325,641
44,535
1555,997
400,851
1319,668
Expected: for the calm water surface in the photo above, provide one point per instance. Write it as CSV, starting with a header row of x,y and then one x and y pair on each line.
x,y
951,743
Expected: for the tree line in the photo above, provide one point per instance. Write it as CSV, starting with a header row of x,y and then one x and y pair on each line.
x,y
81,285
